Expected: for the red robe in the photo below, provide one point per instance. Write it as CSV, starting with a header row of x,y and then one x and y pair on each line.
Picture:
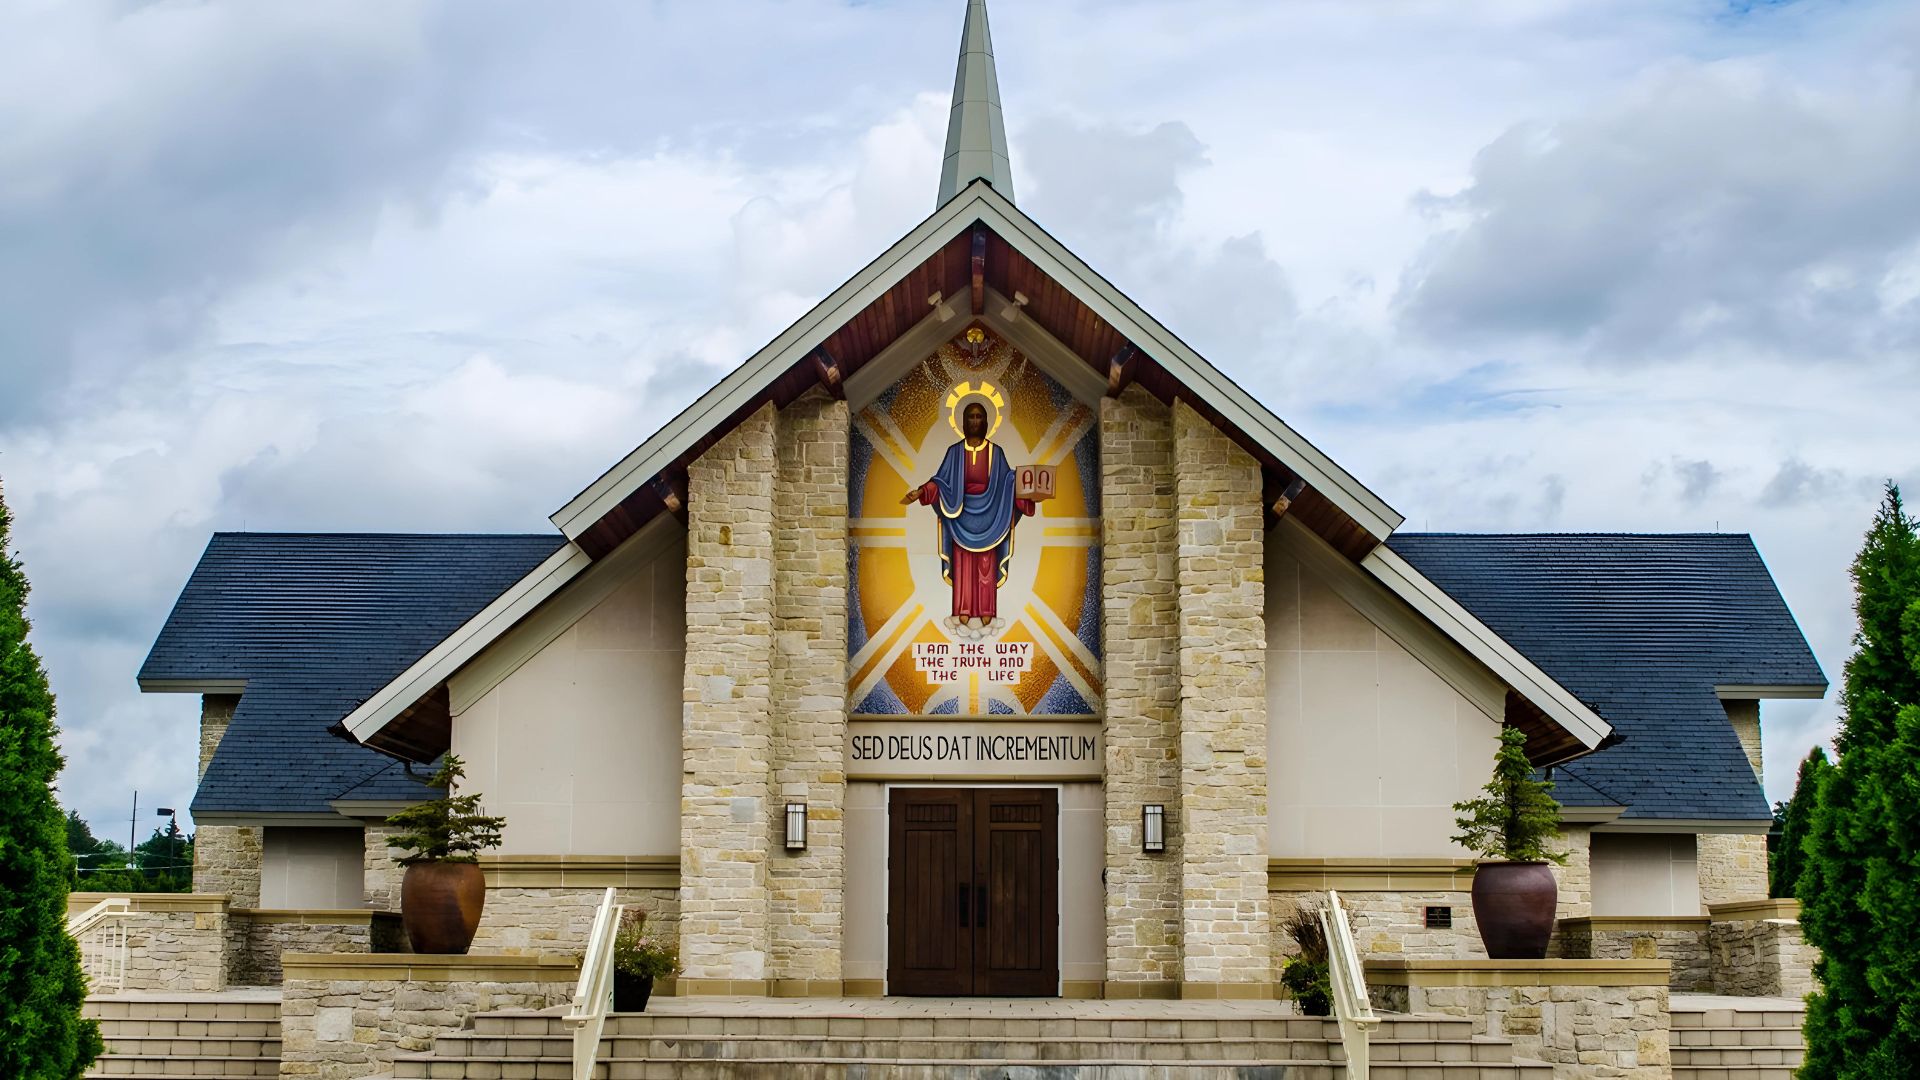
x,y
976,577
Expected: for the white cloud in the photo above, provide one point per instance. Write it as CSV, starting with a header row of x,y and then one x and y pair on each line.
x,y
434,266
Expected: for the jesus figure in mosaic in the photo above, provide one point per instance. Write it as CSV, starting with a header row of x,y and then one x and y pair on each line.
x,y
972,495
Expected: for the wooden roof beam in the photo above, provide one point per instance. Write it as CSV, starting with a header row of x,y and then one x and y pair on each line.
x,y
979,269
1122,369
830,376
1285,502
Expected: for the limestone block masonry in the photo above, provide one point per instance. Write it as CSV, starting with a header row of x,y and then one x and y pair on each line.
x,y
1139,545
226,858
1589,1019
809,677
343,1017
381,870
1226,937
727,722
175,941
1733,866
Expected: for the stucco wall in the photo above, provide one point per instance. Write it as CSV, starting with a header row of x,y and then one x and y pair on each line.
x,y
1645,874
579,748
313,868
1368,747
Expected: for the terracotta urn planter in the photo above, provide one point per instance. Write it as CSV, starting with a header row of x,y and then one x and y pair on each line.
x,y
630,992
1514,902
440,905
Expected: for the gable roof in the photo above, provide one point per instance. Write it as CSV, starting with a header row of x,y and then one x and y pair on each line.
x,y
1652,631
977,241
310,624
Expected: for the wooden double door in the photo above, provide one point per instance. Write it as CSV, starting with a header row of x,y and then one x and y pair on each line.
x,y
973,893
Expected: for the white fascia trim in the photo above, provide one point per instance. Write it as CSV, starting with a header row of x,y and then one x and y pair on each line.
x,y
463,644
979,202
193,686
741,384
360,809
1236,406
1751,692
1479,639
1684,825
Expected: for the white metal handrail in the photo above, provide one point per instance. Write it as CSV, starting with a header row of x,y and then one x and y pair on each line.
x,y
593,997
1351,1006
101,932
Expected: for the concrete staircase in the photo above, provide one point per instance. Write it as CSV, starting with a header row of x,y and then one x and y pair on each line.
x,y
1736,1038
234,1033
924,1040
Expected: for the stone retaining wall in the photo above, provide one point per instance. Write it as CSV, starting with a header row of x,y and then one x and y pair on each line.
x,y
1587,1018
1388,925
343,1017
1758,950
1681,940
256,939
541,904
175,941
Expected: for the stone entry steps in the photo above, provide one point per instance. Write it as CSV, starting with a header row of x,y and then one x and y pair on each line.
x,y
964,1041
189,1036
1735,1038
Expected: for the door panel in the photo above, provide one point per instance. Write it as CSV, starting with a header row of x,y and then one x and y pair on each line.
x,y
973,892
1016,866
930,857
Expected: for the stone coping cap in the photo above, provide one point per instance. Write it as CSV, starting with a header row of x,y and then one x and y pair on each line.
x,y
417,967
1369,875
1426,973
1601,924
581,871
315,916
1784,907
79,902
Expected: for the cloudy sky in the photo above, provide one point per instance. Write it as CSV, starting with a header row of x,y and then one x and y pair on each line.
x,y
1519,265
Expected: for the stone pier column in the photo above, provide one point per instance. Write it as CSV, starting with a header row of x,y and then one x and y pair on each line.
x,y
1226,938
1733,866
226,858
724,793
809,679
1139,614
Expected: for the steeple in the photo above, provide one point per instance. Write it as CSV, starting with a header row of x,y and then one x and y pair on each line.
x,y
976,133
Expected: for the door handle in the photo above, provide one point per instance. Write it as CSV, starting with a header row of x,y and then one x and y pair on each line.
x,y
963,907
980,907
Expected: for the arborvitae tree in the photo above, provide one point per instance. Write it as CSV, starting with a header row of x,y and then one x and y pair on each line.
x,y
1517,817
1860,888
1788,855
42,1034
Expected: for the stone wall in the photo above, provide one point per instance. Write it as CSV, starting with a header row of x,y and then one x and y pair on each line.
x,y
1681,941
1758,950
226,858
1586,1018
1733,866
724,798
1226,930
1388,925
806,888
1138,627
1575,881
539,905
343,1017
175,941
381,873
257,939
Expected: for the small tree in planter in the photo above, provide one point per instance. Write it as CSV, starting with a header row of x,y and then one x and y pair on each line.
x,y
443,890
1514,893
638,959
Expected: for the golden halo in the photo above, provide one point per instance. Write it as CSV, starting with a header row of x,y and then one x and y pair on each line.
x,y
986,394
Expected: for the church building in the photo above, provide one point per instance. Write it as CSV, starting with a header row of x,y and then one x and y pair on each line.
x,y
978,637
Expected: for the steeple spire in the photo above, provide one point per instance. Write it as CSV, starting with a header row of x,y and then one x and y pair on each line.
x,y
976,133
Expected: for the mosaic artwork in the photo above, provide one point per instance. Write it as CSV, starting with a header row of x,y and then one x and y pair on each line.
x,y
976,541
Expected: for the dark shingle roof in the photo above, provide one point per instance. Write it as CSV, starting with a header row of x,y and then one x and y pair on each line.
x,y
1642,628
315,623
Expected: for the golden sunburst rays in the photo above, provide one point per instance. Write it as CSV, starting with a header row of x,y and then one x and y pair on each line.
x,y
902,599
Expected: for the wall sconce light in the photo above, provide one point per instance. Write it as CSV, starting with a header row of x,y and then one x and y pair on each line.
x,y
796,826
1153,829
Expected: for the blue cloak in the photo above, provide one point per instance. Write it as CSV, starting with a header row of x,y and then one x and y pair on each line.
x,y
982,522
